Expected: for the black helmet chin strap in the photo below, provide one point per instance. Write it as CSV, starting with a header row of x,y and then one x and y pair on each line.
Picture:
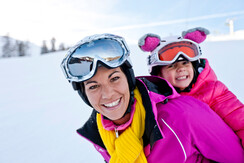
x,y
80,88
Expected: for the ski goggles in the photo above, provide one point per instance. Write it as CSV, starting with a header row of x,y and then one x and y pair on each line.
x,y
167,54
81,61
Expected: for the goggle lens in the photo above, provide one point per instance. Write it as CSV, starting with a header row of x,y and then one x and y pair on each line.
x,y
82,60
170,51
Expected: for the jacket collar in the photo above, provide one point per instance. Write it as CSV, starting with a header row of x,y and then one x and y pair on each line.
x,y
151,88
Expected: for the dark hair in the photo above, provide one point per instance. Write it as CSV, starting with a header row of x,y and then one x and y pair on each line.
x,y
156,70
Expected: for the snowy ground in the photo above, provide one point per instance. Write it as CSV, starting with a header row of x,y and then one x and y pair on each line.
x,y
39,111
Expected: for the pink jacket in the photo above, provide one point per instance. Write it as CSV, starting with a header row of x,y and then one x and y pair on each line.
x,y
184,129
214,93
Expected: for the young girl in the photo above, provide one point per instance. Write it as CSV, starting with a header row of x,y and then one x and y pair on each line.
x,y
144,119
176,59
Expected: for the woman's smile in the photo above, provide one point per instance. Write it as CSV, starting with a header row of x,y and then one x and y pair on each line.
x,y
112,104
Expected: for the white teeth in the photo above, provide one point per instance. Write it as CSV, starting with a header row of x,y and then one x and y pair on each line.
x,y
113,103
182,77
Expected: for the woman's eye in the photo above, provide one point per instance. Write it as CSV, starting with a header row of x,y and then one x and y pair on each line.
x,y
115,78
93,87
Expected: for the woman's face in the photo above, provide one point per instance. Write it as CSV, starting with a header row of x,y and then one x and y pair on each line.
x,y
108,92
179,74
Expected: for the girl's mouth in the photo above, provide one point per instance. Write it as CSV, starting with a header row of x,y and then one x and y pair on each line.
x,y
182,77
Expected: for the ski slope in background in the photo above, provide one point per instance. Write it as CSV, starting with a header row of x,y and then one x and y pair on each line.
x,y
39,111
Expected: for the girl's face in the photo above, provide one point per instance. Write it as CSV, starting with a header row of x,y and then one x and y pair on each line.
x,y
108,92
179,74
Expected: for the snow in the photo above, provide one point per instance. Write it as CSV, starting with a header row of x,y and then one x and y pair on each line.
x,y
40,112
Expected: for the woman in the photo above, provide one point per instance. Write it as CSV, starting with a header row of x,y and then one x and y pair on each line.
x,y
141,119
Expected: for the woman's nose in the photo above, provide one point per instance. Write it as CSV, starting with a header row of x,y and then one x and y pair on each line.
x,y
107,92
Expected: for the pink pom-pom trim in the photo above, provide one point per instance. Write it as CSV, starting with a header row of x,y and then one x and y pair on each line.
x,y
150,44
197,36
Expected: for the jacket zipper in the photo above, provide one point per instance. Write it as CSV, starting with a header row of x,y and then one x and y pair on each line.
x,y
116,132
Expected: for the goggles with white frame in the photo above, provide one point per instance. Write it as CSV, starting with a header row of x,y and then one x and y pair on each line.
x,y
81,61
168,52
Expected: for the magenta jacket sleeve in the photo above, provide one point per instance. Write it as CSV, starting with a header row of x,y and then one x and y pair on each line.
x,y
229,108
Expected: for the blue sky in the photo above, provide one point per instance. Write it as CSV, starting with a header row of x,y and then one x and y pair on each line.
x,y
71,20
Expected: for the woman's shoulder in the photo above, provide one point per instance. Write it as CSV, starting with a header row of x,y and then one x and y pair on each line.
x,y
186,111
157,85
185,104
